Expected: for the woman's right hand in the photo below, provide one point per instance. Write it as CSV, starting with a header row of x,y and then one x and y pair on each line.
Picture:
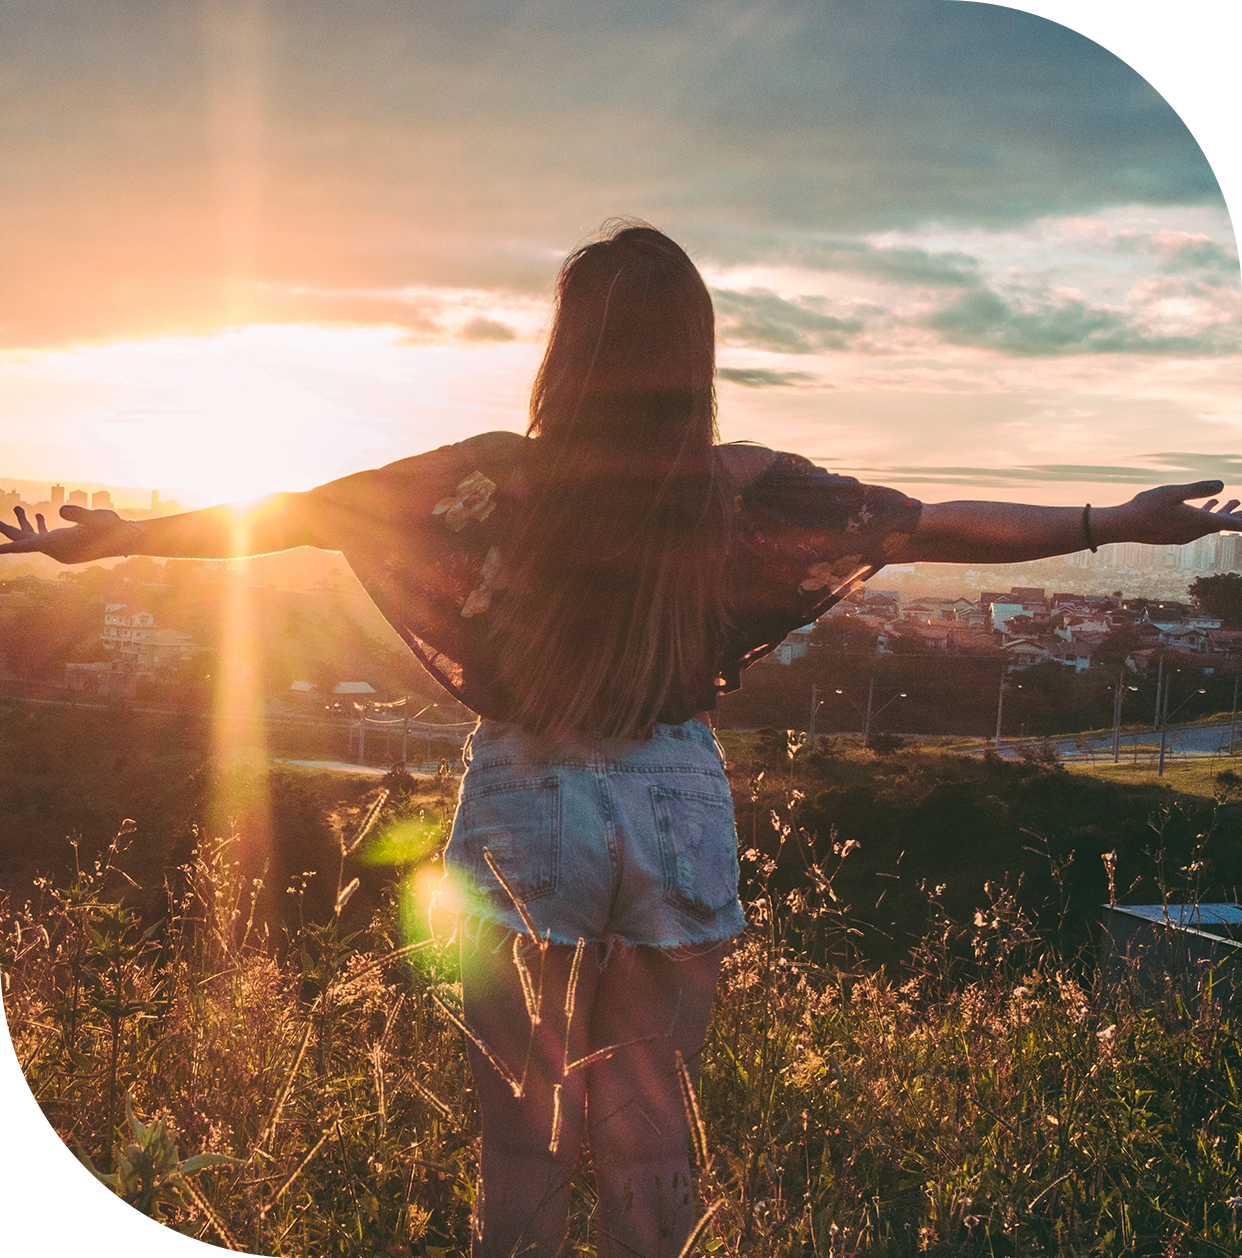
x,y
91,535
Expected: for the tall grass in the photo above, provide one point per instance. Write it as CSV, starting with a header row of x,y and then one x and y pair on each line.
x,y
307,1092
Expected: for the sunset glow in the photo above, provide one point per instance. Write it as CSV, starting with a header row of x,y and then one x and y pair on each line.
x,y
295,265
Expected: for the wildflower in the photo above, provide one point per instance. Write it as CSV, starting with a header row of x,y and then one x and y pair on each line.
x,y
1074,999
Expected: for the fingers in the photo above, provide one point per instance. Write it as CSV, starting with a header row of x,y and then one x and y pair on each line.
x,y
16,534
40,521
1212,503
76,514
1197,489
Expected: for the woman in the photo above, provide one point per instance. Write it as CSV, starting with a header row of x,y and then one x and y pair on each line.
x,y
589,590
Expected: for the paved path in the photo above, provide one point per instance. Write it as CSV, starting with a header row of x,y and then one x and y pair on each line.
x,y
343,766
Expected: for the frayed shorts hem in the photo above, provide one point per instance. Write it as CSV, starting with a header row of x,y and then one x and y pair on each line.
x,y
511,922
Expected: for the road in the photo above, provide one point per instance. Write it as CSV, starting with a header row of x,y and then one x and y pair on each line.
x,y
1183,740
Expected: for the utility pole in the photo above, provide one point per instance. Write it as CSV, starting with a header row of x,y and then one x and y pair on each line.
x,y
405,730
867,718
1159,687
362,736
1233,716
1117,701
1000,707
810,733
1164,728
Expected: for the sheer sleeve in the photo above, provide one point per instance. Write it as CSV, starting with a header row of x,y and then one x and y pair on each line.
x,y
834,532
423,536
803,539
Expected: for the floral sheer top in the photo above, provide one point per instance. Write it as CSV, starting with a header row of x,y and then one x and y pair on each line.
x,y
426,536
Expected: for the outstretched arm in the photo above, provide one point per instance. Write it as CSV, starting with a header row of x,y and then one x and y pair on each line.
x,y
278,522
1001,532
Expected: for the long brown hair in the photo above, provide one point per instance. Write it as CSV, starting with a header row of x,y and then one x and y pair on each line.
x,y
613,606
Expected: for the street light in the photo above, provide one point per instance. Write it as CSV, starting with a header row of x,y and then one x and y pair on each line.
x,y
1000,704
1118,700
871,711
1164,723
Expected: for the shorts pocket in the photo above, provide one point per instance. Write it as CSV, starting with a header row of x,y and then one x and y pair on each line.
x,y
519,823
698,845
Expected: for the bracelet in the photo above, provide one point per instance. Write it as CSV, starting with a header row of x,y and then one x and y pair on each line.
x,y
1086,528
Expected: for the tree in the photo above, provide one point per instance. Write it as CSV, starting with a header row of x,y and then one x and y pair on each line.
x,y
1220,596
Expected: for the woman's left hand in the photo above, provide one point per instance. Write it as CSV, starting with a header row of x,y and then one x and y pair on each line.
x,y
1163,516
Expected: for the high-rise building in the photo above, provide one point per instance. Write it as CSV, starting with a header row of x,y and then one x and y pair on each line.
x,y
1199,555
101,500
58,495
77,498
1229,552
155,499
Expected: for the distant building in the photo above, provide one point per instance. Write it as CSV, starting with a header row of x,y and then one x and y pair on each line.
x,y
77,498
105,677
155,499
1077,657
1025,653
120,623
1202,554
1001,613
101,500
1068,600
138,644
794,647
58,495
1229,552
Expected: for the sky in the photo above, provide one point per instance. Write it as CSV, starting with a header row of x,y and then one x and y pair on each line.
x,y
248,245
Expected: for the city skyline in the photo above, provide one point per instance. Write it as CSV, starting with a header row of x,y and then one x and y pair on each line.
x,y
36,493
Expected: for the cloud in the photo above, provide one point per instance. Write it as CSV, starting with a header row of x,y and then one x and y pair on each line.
x,y
1201,254
480,329
762,378
905,265
1042,325
151,168
1172,468
760,319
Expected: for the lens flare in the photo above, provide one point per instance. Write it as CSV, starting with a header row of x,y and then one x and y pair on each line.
x,y
240,773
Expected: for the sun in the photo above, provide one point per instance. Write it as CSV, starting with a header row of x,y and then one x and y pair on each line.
x,y
259,409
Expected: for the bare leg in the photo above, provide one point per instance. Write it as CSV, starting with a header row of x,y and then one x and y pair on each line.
x,y
638,1126
525,1172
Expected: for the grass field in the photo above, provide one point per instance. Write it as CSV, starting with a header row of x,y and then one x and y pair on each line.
x,y
305,1092
1209,777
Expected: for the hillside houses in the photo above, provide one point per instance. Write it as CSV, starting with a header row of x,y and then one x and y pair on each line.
x,y
136,650
1029,626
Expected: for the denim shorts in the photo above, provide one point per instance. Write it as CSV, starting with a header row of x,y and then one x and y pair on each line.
x,y
609,841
